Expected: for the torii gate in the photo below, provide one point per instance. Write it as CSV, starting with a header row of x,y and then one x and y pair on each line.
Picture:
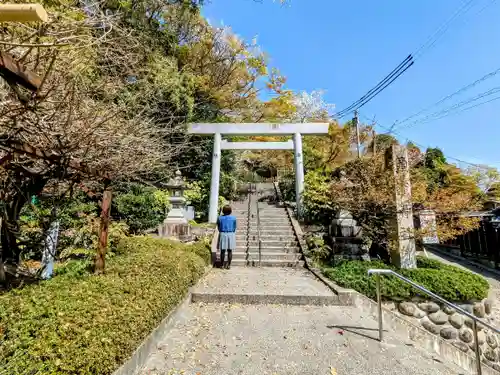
x,y
257,129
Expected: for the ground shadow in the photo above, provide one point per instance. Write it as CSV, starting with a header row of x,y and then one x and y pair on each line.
x,y
356,330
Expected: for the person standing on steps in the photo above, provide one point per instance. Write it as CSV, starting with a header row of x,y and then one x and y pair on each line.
x,y
227,235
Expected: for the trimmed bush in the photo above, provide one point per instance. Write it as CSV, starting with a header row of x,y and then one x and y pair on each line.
x,y
92,324
449,282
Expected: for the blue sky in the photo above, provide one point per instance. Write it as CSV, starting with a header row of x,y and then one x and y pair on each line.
x,y
346,47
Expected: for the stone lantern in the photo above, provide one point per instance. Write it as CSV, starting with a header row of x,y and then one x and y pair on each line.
x,y
176,225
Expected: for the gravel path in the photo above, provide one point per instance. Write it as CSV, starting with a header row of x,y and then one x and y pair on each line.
x,y
224,339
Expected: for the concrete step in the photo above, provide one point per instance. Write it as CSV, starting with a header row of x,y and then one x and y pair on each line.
x,y
282,221
272,217
270,243
272,232
287,237
265,227
270,249
278,211
254,257
255,285
271,226
267,263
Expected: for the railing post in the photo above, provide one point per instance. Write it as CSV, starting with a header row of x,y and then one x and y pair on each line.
x,y
477,350
475,320
249,218
379,302
260,253
258,235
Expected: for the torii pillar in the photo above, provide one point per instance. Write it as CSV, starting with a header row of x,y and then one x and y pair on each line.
x,y
257,129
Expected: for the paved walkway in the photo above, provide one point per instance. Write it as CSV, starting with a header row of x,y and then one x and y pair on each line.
x,y
249,339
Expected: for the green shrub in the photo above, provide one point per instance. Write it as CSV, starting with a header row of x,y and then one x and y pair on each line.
x,y
447,281
92,324
141,207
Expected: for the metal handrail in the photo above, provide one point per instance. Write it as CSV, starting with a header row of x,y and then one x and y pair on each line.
x,y
258,234
474,319
249,217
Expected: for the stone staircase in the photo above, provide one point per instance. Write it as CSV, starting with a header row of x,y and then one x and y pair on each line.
x,y
279,246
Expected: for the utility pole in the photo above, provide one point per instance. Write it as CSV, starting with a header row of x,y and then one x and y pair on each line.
x,y
356,122
374,137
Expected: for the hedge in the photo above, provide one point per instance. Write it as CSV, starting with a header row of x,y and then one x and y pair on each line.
x,y
92,324
449,282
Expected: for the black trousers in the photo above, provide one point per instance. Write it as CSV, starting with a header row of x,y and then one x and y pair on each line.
x,y
229,257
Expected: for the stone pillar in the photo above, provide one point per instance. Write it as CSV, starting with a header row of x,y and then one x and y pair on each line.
x,y
402,248
214,185
299,172
427,222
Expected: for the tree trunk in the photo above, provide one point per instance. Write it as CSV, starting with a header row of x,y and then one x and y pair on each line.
x,y
10,217
3,277
103,233
10,228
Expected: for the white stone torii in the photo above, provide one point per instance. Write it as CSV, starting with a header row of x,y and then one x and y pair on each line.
x,y
261,129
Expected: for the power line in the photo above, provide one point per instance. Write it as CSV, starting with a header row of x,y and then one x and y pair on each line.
x,y
467,6
395,71
380,89
459,91
445,112
423,146
407,63
463,110
441,30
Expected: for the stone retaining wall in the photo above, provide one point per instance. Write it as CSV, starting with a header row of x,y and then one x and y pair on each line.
x,y
454,327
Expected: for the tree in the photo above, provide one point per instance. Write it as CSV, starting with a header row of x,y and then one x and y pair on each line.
x,y
366,188
119,82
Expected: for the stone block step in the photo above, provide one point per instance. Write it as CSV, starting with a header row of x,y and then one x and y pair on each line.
x,y
267,263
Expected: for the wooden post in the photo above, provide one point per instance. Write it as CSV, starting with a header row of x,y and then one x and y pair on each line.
x,y
103,232
23,13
